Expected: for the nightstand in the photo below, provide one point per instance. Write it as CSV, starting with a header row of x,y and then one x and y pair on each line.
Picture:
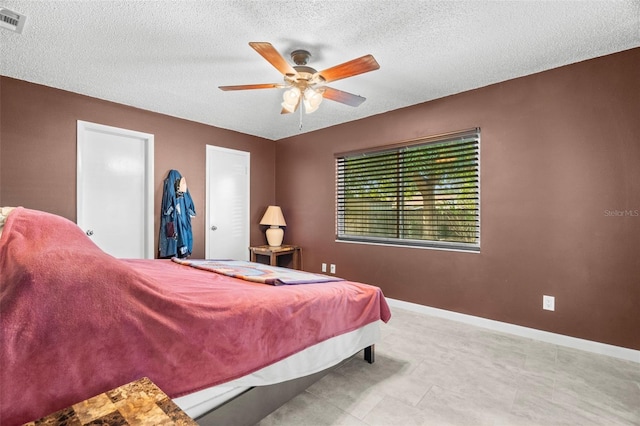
x,y
136,403
274,252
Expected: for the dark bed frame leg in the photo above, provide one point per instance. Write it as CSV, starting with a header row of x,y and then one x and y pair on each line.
x,y
370,354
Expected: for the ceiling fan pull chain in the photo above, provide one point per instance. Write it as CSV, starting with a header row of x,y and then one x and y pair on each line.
x,y
300,117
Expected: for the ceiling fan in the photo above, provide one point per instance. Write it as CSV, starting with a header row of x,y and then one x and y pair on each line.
x,y
304,84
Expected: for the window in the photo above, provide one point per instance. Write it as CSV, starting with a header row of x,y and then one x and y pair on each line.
x,y
423,193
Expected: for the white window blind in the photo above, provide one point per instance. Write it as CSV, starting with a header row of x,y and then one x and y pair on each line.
x,y
423,193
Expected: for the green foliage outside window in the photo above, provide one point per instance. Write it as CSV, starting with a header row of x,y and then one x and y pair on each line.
x,y
424,194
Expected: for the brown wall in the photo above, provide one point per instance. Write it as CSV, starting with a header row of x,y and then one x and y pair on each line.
x,y
560,151
38,152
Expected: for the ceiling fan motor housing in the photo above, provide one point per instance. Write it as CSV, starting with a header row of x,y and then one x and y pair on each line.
x,y
306,76
300,57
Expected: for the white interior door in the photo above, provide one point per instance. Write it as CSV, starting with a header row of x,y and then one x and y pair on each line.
x,y
115,189
227,220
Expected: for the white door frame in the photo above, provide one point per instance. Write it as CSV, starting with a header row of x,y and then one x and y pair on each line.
x,y
85,127
209,150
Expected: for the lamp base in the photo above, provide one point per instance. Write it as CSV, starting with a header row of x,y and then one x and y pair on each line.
x,y
275,235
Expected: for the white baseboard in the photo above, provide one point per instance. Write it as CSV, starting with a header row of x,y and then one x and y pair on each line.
x,y
532,333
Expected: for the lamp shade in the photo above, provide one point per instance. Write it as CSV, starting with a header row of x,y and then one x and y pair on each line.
x,y
273,217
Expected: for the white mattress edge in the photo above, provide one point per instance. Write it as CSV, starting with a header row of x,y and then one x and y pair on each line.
x,y
308,361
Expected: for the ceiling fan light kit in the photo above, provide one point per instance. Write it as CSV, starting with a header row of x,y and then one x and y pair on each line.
x,y
311,99
304,84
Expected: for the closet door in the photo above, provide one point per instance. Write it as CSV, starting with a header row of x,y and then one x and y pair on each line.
x,y
115,189
227,220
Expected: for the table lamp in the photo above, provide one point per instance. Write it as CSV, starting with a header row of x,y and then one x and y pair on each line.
x,y
274,218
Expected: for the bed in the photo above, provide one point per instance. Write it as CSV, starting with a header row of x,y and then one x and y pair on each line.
x,y
75,322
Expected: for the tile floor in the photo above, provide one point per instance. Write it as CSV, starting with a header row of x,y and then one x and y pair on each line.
x,y
433,371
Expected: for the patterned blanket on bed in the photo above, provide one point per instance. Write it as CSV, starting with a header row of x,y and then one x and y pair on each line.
x,y
258,272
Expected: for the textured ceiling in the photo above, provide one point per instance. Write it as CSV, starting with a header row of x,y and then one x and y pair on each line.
x,y
170,56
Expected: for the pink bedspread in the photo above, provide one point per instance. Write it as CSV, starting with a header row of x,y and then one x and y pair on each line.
x,y
75,321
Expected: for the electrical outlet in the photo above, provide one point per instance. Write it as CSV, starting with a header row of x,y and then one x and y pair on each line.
x,y
324,267
549,303
333,268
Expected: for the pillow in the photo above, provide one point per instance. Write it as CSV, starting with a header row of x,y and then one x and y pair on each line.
x,y
4,213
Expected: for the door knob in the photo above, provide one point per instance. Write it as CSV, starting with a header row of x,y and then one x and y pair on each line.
x,y
213,228
89,232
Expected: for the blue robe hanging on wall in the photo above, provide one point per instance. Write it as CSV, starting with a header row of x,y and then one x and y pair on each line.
x,y
176,237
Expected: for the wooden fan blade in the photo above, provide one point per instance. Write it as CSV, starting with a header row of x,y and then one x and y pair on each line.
x,y
348,69
342,97
251,86
271,54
